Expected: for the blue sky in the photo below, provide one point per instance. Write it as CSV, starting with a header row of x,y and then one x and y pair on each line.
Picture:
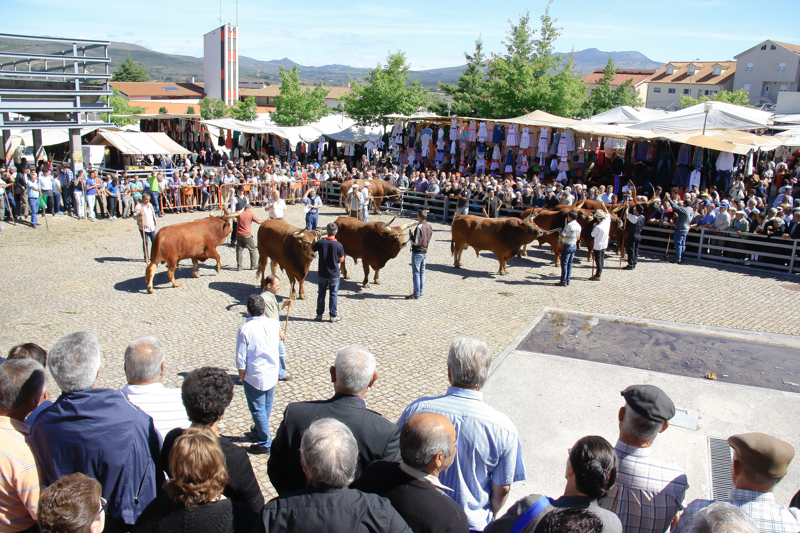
x,y
432,34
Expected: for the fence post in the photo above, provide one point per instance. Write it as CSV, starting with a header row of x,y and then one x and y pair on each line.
x,y
446,209
700,248
794,253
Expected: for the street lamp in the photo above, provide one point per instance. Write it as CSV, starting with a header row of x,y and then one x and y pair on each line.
x,y
706,108
690,80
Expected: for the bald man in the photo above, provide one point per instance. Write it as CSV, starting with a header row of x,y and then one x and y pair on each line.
x,y
428,447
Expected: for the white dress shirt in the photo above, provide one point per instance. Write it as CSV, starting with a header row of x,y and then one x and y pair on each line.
x,y
164,405
257,352
600,233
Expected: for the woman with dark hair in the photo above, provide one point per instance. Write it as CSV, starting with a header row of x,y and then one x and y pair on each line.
x,y
193,499
591,472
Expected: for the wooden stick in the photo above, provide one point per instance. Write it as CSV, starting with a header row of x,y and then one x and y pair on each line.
x,y
144,247
13,216
44,216
286,326
669,240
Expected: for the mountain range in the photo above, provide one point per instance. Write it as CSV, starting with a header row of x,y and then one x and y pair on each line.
x,y
172,67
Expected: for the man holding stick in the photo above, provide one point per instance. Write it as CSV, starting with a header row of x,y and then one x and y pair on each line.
x,y
271,286
5,182
145,216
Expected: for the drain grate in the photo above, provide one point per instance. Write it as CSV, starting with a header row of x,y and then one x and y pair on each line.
x,y
684,419
721,467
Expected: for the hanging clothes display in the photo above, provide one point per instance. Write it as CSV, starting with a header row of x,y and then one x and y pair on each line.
x,y
482,132
453,130
544,140
495,163
511,139
684,154
499,133
554,143
562,146
472,127
524,139
509,168
522,162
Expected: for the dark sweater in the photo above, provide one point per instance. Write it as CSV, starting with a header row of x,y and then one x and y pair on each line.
x,y
242,483
425,508
224,516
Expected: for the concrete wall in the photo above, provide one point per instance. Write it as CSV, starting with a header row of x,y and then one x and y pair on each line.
x,y
765,73
788,103
672,101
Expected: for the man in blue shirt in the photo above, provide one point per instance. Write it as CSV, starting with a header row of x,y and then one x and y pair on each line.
x,y
96,431
489,455
312,204
331,253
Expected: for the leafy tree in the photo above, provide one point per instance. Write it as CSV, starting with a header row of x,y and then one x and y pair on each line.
x,y
528,77
212,108
162,110
470,95
190,110
245,110
740,97
129,70
121,106
385,90
604,97
297,105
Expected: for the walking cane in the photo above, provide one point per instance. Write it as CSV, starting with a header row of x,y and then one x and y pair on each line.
x,y
144,247
44,216
669,240
13,216
286,326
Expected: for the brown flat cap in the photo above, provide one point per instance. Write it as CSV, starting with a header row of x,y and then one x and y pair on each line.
x,y
764,454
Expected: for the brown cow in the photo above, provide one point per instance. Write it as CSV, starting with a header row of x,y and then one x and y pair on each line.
x,y
196,240
372,242
288,247
378,189
501,236
553,221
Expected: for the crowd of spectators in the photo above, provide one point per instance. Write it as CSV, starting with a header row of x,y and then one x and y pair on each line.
x,y
151,459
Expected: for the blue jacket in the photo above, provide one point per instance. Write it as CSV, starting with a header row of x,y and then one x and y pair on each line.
x,y
99,433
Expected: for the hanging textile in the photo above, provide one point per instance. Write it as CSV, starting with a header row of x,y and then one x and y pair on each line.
x,y
482,132
453,130
511,139
544,140
509,168
472,126
524,139
562,146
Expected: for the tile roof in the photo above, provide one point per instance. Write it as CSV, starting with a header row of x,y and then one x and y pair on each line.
x,y
620,77
792,47
133,89
272,91
704,73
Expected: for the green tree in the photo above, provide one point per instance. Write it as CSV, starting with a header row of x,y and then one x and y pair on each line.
x,y
385,90
121,106
604,97
129,70
190,110
212,108
740,97
470,96
245,110
529,77
162,110
297,105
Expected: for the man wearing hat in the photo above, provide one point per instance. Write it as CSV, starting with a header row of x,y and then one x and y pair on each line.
x,y
238,203
600,235
364,201
759,463
649,492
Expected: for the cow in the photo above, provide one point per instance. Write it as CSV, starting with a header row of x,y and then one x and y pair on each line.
x,y
378,189
288,247
501,236
372,242
196,240
552,221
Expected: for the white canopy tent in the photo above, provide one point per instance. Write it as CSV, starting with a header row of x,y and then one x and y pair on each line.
x,y
139,143
294,134
714,115
356,134
624,115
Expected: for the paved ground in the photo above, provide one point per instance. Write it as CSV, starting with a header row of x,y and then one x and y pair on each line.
x,y
81,275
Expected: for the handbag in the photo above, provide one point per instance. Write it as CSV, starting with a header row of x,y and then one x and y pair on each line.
x,y
530,514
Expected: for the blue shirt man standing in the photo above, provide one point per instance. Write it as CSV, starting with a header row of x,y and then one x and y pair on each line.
x,y
331,253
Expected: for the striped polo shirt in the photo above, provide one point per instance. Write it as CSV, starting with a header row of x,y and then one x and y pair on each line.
x,y
19,477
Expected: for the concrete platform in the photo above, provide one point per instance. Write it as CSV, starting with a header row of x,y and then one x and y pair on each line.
x,y
554,401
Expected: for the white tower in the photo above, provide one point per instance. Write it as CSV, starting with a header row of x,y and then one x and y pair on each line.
x,y
221,63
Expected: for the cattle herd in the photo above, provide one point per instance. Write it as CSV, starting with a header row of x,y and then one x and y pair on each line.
x,y
375,243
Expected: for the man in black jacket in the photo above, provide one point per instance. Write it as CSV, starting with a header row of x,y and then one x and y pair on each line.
x,y
329,456
633,226
353,374
428,446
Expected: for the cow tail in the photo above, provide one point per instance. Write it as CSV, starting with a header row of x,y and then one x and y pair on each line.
x,y
452,247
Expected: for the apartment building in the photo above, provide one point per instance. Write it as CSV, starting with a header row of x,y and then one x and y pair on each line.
x,y
766,70
695,79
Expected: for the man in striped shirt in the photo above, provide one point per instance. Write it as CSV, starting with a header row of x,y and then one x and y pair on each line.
x,y
144,369
479,486
759,462
649,492
22,382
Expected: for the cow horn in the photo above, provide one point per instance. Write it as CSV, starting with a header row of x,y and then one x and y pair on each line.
x,y
232,216
298,235
387,227
406,226
527,218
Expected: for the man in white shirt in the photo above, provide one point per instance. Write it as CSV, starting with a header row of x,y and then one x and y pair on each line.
x,y
364,202
144,369
257,360
145,217
276,207
600,235
569,241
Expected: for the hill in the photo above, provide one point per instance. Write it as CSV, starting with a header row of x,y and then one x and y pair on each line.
x,y
172,67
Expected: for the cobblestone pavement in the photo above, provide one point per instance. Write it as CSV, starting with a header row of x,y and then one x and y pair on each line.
x,y
82,275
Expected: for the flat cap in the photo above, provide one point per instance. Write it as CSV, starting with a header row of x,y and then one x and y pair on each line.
x,y
650,402
764,454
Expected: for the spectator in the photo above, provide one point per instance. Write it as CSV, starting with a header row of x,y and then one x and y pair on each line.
x,y
144,370
193,498
428,447
600,235
257,362
22,383
207,392
276,206
569,240
681,227
352,374
365,199
312,203
271,286
37,353
649,492
145,215
570,520
792,231
759,463
420,238
591,471
329,455
722,517
73,504
244,237
331,254
96,431
491,205
489,457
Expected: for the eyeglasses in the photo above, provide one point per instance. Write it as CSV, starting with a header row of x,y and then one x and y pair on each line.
x,y
103,507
